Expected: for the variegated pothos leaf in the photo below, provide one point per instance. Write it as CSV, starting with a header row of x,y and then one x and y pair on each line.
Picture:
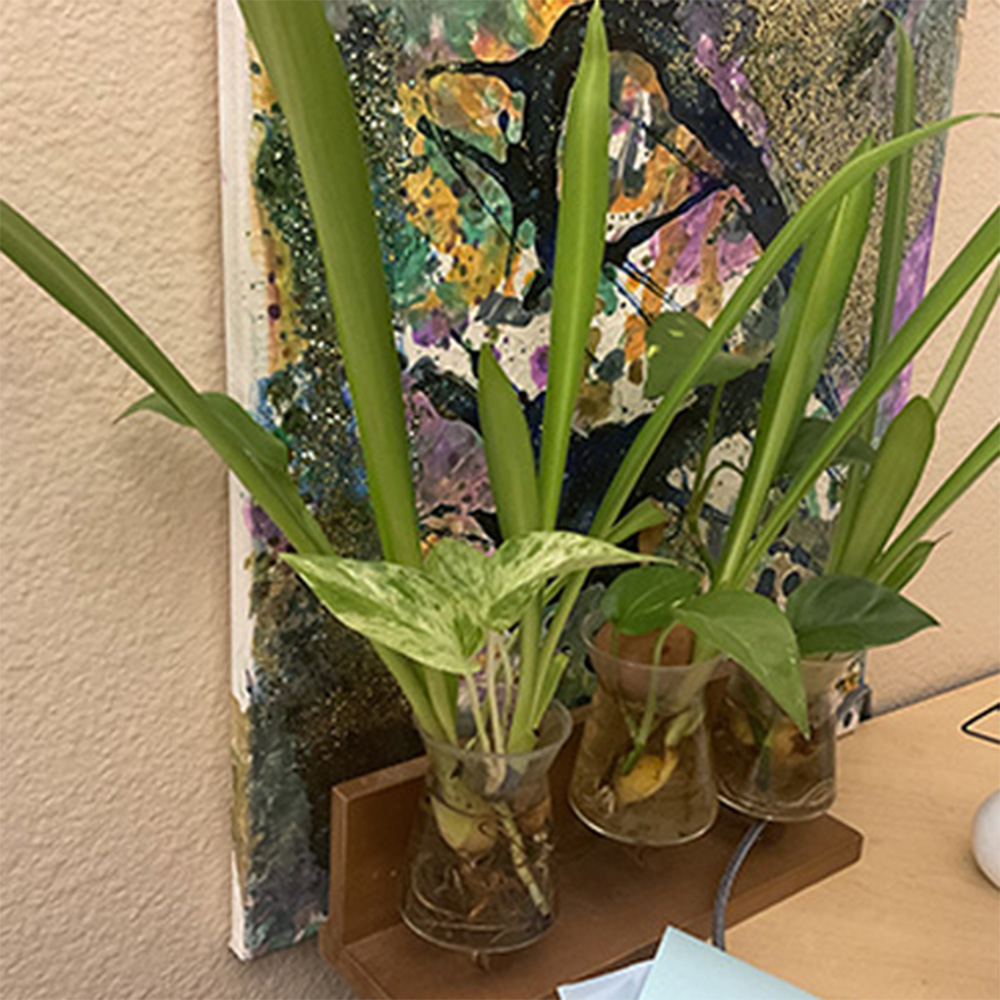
x,y
522,566
400,607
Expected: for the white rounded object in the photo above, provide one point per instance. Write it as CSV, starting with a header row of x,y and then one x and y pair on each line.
x,y
986,838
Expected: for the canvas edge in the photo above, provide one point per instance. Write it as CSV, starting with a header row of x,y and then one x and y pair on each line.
x,y
241,307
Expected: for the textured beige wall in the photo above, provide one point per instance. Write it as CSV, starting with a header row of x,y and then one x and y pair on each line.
x,y
114,870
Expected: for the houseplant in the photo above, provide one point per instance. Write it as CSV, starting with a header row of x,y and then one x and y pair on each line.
x,y
303,62
774,759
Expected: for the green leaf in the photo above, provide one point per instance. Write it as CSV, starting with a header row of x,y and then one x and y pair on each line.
x,y
304,64
897,199
75,290
672,341
809,437
464,572
972,467
909,565
521,566
583,205
752,631
948,290
493,591
642,600
894,476
891,246
807,219
267,448
962,350
401,608
509,455
808,323
841,614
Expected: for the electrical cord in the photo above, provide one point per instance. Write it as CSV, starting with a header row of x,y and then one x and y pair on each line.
x,y
728,878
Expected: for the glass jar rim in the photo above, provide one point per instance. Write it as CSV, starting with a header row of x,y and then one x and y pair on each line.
x,y
553,731
592,624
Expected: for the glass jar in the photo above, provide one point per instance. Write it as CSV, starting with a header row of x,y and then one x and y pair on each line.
x,y
480,874
764,766
643,772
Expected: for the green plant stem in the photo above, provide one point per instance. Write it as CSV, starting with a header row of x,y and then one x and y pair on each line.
x,y
491,691
477,714
508,680
531,672
641,738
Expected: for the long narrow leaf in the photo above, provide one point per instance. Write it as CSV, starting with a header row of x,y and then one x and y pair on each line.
x,y
947,291
267,448
799,226
509,455
890,261
962,350
646,514
897,199
511,463
910,565
975,464
304,64
583,205
890,484
73,288
809,321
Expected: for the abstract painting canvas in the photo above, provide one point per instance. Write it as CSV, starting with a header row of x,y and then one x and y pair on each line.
x,y
725,117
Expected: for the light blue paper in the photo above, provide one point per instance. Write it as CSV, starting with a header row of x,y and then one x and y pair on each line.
x,y
688,969
622,984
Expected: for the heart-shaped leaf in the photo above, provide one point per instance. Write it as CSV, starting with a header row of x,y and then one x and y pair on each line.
x,y
809,436
642,600
396,606
672,340
840,614
522,565
752,631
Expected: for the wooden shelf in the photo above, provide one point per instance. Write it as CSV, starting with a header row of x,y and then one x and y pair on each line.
x,y
614,901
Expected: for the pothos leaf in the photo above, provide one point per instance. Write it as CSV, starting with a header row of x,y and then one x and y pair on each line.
x,y
400,607
672,340
642,600
840,614
522,565
752,631
809,436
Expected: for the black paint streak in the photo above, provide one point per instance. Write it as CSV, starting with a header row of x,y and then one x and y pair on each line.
x,y
544,76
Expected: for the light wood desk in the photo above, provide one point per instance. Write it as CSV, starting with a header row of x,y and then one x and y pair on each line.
x,y
915,918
